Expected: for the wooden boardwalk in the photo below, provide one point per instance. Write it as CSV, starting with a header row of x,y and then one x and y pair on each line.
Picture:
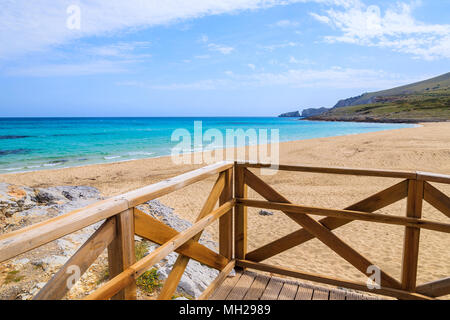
x,y
253,286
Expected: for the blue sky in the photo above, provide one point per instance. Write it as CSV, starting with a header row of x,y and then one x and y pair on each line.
x,y
209,57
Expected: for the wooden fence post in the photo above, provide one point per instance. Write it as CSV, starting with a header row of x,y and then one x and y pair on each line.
x,y
240,214
226,221
412,236
121,252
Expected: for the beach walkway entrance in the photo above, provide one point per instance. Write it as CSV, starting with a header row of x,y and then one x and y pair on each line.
x,y
254,286
122,221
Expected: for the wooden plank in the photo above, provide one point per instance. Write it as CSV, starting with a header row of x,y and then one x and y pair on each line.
x,y
401,294
354,296
240,215
436,288
137,269
437,199
370,204
222,292
336,170
288,292
348,214
20,241
272,290
121,253
320,294
433,177
257,288
57,287
319,231
226,221
367,297
159,189
154,230
171,283
218,281
304,293
412,236
337,295
242,286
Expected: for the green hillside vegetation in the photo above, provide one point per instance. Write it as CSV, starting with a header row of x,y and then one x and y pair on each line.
x,y
419,102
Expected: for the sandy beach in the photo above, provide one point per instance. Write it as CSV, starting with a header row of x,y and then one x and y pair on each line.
x,y
425,148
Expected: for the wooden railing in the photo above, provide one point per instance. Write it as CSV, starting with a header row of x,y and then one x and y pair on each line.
x,y
123,220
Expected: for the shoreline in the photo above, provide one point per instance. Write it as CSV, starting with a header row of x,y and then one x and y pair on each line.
x,y
372,120
43,168
121,171
191,154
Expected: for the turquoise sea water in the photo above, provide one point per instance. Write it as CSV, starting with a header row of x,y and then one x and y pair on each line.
x,y
28,144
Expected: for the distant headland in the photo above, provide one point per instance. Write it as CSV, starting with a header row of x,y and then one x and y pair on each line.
x,y
424,101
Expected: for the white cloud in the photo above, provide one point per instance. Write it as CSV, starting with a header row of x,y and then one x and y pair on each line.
x,y
202,56
87,60
216,47
323,19
335,77
281,45
332,78
395,29
121,50
251,66
196,85
293,60
204,38
30,26
220,48
27,26
285,24
71,69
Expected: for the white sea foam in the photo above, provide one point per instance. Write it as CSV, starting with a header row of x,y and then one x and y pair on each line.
x,y
51,164
140,153
11,169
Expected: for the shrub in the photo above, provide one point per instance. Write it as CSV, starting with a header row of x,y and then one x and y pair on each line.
x,y
149,281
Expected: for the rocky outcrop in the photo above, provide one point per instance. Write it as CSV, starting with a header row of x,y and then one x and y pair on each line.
x,y
313,112
293,114
24,203
353,101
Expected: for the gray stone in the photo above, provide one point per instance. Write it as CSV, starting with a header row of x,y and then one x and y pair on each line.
x,y
197,276
15,199
20,261
265,213
20,199
44,196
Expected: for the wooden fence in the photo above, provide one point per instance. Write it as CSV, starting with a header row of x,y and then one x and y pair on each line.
x,y
122,220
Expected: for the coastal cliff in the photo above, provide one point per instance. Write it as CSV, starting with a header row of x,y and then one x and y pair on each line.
x,y
314,112
425,101
293,114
